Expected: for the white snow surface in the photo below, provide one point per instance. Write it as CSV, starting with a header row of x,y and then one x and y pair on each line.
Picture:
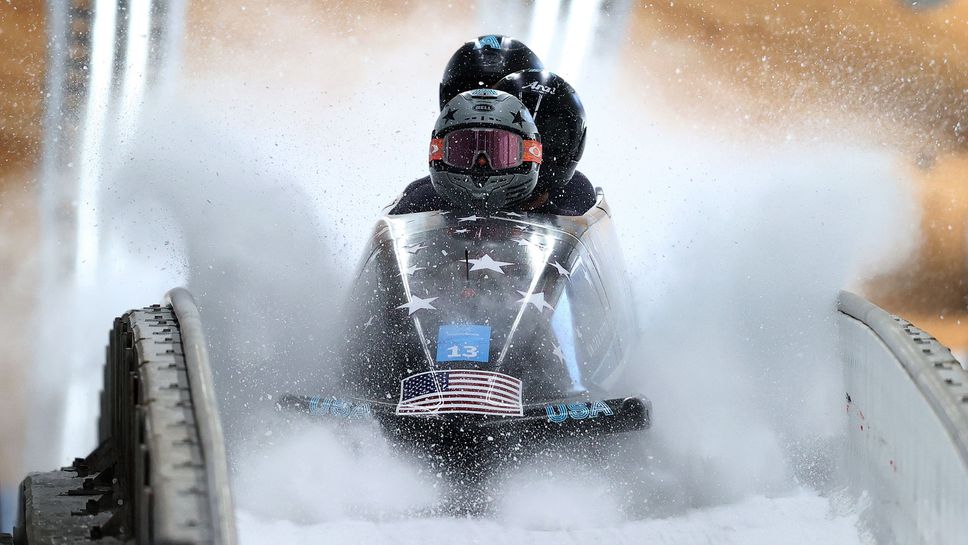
x,y
803,517
316,483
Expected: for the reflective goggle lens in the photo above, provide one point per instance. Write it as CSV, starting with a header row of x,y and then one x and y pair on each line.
x,y
500,149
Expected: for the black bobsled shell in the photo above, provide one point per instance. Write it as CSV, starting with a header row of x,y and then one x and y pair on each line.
x,y
554,318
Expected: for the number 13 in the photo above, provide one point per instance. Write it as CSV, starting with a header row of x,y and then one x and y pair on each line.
x,y
470,351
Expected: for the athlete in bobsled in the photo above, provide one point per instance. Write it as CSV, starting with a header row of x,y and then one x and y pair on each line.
x,y
480,325
508,65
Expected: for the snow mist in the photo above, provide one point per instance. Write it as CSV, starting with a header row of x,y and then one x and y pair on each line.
x,y
736,251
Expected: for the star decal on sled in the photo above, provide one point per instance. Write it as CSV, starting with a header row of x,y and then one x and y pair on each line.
x,y
537,299
416,303
559,354
410,270
415,247
561,270
487,263
584,271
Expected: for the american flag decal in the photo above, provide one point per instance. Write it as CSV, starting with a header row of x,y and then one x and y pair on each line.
x,y
460,391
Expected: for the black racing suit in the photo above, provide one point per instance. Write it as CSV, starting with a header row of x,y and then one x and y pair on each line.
x,y
576,198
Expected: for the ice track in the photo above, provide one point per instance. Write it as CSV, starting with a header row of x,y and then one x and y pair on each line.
x,y
800,518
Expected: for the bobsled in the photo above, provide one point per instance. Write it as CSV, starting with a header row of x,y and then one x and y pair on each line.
x,y
493,331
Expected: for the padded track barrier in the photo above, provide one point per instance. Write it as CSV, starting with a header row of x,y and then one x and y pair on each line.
x,y
206,415
907,404
159,474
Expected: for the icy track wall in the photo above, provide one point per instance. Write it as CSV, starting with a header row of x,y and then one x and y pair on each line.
x,y
907,444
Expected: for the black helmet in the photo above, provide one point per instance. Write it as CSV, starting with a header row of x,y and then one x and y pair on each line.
x,y
482,63
560,117
485,151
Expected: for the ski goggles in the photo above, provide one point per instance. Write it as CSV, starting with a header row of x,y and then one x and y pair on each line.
x,y
498,148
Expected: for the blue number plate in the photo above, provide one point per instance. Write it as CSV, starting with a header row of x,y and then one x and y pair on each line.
x,y
463,343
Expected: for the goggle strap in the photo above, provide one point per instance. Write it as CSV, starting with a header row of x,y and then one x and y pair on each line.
x,y
436,149
532,151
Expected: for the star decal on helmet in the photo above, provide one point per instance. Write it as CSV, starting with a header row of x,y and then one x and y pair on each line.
x,y
450,115
518,118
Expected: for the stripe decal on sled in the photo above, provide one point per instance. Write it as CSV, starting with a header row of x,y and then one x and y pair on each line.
x,y
460,391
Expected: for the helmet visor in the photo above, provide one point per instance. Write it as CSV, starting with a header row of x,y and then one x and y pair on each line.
x,y
497,148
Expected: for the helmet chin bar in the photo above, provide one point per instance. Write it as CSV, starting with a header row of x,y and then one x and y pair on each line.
x,y
481,199
483,193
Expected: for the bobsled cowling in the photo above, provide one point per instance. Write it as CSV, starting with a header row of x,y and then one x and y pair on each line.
x,y
483,317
